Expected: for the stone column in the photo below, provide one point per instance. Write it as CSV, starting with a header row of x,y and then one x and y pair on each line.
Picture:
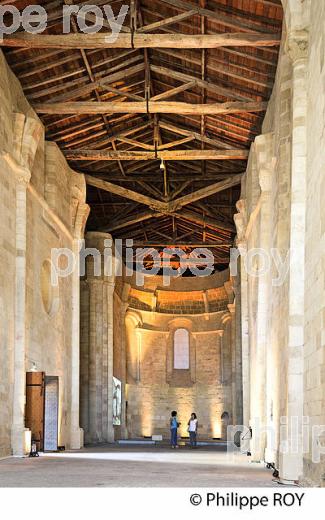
x,y
241,224
76,433
220,348
238,352
18,421
26,136
291,462
109,433
100,371
244,335
124,308
232,347
80,212
264,155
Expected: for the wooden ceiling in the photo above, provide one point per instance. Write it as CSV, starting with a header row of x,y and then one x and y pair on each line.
x,y
162,120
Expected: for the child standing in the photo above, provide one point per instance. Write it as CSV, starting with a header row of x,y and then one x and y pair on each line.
x,y
173,429
192,429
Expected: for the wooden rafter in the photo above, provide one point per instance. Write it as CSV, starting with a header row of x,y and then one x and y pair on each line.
x,y
170,155
139,41
151,107
163,207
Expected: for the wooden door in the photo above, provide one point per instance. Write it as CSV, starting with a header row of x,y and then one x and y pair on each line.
x,y
34,410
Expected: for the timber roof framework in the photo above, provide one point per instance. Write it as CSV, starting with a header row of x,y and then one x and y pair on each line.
x,y
160,121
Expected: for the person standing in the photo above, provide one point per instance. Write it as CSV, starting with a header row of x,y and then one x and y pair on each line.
x,y
174,424
192,429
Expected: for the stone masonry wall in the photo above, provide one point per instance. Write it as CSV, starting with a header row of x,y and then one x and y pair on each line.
x,y
54,199
281,208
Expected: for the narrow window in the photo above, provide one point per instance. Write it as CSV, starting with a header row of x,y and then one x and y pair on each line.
x,y
181,349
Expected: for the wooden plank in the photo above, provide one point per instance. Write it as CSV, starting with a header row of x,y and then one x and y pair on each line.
x,y
139,41
152,107
170,155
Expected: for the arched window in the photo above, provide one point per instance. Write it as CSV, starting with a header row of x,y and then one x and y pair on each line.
x,y
181,349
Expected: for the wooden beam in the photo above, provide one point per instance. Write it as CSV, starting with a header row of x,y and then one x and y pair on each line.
x,y
207,85
217,143
167,21
151,147
201,220
121,93
124,192
121,75
152,107
174,91
227,20
139,41
150,243
205,192
170,155
130,221
156,178
171,208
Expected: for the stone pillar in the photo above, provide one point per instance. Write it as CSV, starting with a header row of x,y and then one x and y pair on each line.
x,y
124,308
238,352
109,433
244,336
100,372
264,155
26,136
76,433
220,347
19,397
80,212
291,461
232,347
241,224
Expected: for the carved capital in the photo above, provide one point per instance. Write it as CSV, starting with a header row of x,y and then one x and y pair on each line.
x,y
297,45
22,174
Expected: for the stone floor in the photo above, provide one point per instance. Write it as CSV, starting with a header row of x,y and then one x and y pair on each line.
x,y
135,466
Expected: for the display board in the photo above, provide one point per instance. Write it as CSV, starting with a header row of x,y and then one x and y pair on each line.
x,y
117,401
51,413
